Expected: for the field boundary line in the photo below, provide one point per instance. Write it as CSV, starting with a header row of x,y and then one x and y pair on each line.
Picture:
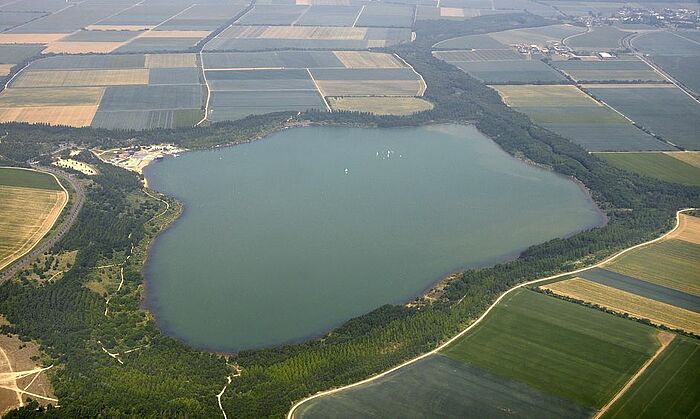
x,y
52,224
635,377
118,12
423,85
362,9
301,15
290,413
653,66
323,96
7,84
206,84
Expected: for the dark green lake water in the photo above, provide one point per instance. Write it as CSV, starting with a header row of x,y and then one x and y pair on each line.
x,y
278,243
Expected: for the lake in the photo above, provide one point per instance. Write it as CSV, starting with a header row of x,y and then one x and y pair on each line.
x,y
287,237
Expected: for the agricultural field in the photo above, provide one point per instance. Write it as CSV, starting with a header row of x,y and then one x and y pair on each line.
x,y
626,302
668,388
501,40
107,91
665,43
386,15
600,38
683,68
492,58
662,166
252,38
104,27
625,70
573,351
245,83
690,157
508,71
440,386
380,105
642,288
571,113
368,82
14,54
671,263
30,203
660,108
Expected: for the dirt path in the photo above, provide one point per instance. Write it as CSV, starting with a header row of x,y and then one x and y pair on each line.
x,y
290,414
11,383
665,338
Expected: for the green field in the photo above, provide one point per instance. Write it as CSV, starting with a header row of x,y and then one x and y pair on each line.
x,y
570,350
671,263
441,387
27,179
657,165
669,388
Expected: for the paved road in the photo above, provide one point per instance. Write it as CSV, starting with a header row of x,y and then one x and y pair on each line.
x,y
57,235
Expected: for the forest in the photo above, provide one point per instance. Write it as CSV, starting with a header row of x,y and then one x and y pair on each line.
x,y
161,377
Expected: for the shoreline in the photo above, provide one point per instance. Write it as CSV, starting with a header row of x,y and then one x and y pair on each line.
x,y
415,299
445,344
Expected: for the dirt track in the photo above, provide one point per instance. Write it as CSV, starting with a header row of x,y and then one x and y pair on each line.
x,y
290,414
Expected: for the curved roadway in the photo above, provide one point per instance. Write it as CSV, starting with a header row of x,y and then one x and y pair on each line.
x,y
66,224
290,414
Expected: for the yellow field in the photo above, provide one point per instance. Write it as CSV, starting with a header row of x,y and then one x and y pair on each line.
x,y
296,32
81,47
119,27
542,95
74,116
380,105
690,157
688,230
50,96
5,69
175,34
170,60
26,215
77,78
369,87
625,302
451,12
366,59
30,38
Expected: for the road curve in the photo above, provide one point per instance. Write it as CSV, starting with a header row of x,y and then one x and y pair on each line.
x,y
66,224
290,414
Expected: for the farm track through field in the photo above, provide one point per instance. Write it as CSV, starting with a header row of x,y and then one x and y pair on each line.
x,y
665,340
10,270
290,414
200,53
